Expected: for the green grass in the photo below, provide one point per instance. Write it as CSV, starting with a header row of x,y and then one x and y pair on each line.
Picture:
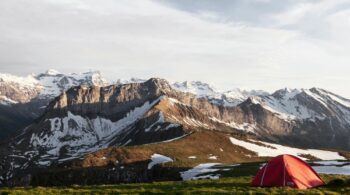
x,y
234,181
234,185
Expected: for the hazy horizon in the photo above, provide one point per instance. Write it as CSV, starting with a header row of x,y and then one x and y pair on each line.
x,y
213,86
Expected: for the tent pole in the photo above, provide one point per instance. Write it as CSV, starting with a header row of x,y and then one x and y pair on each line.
x,y
262,178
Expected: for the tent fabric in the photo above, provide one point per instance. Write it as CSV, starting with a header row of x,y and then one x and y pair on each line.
x,y
289,171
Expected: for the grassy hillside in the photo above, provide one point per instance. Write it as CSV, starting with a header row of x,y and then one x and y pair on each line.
x,y
201,144
233,185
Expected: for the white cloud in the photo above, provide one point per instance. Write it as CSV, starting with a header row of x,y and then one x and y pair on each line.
x,y
145,38
316,9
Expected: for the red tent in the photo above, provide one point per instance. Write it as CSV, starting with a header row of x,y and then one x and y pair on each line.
x,y
287,170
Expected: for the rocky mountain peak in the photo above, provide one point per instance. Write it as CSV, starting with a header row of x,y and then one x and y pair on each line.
x,y
286,93
107,100
52,72
161,84
44,86
196,87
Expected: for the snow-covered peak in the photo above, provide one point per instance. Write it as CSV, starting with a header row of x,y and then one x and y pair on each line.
x,y
331,96
226,98
196,87
45,85
286,93
15,89
256,92
235,94
27,81
52,72
91,77
55,83
306,104
131,80
244,94
290,104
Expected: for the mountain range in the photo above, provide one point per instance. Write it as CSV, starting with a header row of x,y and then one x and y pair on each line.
x,y
53,124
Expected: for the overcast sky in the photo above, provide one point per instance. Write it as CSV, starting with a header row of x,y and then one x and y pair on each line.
x,y
251,44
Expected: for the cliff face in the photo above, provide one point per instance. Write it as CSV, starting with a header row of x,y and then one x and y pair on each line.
x,y
110,100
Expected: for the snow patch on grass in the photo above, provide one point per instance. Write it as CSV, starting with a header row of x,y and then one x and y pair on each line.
x,y
279,149
198,170
331,162
339,170
210,176
213,158
158,159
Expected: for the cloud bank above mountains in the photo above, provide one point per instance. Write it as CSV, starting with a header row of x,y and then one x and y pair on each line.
x,y
256,44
